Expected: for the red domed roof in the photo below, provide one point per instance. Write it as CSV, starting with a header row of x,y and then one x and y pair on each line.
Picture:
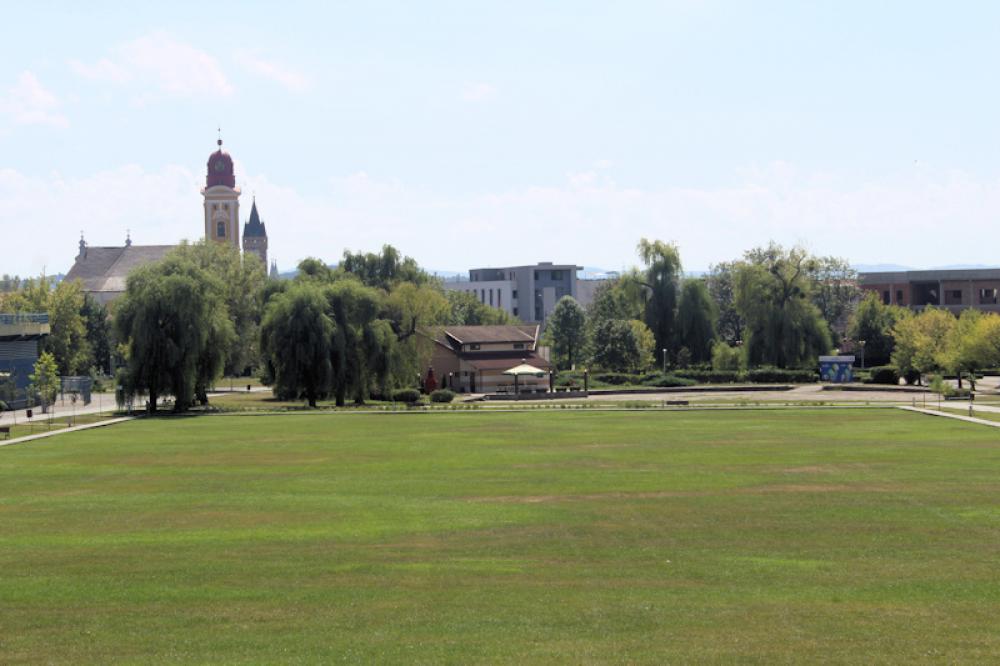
x,y
220,169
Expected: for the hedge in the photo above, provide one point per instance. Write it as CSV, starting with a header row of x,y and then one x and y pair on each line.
x,y
615,378
884,374
661,380
779,375
712,376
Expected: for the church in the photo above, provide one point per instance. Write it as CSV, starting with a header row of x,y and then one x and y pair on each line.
x,y
103,270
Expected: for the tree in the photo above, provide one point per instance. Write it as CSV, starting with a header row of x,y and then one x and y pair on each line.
x,y
773,295
363,343
68,339
835,291
567,330
721,282
242,280
645,346
696,317
466,310
921,341
296,341
662,278
175,326
97,323
615,346
618,298
45,379
384,269
874,322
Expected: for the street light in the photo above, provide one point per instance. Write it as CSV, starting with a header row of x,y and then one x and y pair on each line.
x,y
862,344
664,360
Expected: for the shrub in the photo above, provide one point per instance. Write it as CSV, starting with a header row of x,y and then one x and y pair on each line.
x,y
664,381
616,378
911,376
725,357
442,395
884,374
407,395
767,375
712,376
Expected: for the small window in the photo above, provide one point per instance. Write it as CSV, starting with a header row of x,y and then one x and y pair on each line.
x,y
491,297
515,312
988,296
474,347
899,296
536,275
518,345
885,297
556,275
220,229
513,294
499,303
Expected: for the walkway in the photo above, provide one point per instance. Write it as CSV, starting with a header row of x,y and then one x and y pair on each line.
x,y
960,417
62,431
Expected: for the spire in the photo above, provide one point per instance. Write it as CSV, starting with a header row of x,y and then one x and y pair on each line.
x,y
254,227
128,238
83,247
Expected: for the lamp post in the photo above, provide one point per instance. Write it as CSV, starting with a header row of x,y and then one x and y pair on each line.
x,y
664,360
862,344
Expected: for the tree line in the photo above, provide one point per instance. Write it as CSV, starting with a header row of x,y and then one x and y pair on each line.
x,y
774,306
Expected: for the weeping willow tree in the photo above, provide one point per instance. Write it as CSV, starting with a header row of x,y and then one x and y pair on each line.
x,y
296,339
176,328
662,277
784,327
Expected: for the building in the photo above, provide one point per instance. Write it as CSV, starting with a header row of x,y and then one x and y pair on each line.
x,y
103,270
530,293
255,236
472,359
953,290
19,338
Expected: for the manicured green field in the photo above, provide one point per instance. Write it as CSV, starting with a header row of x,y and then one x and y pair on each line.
x,y
802,536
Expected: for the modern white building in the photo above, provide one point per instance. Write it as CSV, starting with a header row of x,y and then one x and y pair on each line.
x,y
530,293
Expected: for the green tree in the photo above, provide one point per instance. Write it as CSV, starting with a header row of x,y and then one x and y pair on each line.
x,y
97,322
696,318
175,325
721,282
726,358
619,298
874,322
567,328
297,343
466,310
68,339
921,341
384,269
662,279
615,346
645,345
242,279
773,295
45,379
835,291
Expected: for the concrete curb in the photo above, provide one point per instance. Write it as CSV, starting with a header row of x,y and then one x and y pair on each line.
x,y
63,431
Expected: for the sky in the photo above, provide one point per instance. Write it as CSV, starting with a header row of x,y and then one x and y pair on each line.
x,y
472,134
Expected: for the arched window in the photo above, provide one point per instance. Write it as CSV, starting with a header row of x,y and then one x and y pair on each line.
x,y
220,230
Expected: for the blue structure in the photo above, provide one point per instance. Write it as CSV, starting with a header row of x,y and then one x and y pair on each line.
x,y
19,338
837,369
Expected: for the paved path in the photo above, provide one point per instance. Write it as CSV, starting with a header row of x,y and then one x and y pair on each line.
x,y
101,402
948,415
62,431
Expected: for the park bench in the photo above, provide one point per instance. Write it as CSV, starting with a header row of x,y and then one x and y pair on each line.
x,y
5,431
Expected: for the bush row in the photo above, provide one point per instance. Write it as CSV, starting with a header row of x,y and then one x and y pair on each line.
x,y
689,377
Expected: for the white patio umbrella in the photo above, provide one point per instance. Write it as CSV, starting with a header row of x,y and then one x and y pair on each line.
x,y
523,369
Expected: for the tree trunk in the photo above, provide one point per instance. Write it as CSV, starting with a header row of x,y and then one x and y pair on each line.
x,y
152,402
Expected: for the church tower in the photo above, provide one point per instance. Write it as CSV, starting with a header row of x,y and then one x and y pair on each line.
x,y
255,236
222,200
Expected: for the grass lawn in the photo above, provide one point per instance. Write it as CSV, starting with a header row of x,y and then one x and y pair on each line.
x,y
766,537
62,419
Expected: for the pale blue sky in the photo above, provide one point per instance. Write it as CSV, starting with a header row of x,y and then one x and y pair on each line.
x,y
474,134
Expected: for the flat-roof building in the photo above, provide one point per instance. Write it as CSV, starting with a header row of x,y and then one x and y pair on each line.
x,y
951,289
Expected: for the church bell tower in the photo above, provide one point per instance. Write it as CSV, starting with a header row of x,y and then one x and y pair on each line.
x,y
222,200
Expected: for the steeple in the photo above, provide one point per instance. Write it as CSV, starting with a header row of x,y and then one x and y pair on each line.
x,y
255,235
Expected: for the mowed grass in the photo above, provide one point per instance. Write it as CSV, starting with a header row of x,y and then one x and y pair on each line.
x,y
585,537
